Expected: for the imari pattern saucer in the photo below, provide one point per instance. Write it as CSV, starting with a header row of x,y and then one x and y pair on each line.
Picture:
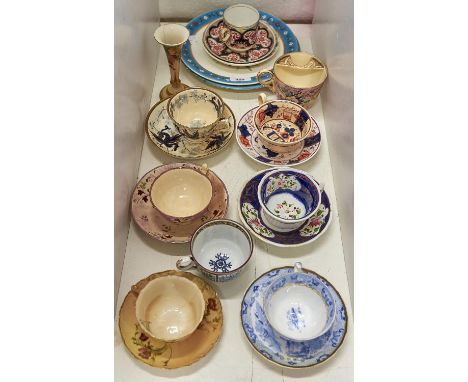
x,y
250,214
262,50
172,355
289,353
249,142
159,227
162,131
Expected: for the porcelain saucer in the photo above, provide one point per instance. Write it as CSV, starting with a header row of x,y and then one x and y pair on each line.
x,y
172,355
250,214
249,142
162,131
288,353
259,53
159,227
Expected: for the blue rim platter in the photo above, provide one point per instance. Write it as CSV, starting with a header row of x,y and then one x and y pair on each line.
x,y
249,212
287,43
287,353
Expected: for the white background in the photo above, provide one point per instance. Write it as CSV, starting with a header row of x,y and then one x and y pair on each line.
x,y
57,179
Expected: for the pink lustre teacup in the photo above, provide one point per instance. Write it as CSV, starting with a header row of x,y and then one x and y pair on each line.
x,y
297,77
282,125
182,194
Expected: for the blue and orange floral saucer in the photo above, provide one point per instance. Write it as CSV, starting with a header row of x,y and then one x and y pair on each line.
x,y
282,352
249,142
250,214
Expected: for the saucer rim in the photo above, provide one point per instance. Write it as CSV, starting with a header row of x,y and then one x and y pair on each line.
x,y
274,164
187,239
227,141
265,240
218,300
287,366
242,65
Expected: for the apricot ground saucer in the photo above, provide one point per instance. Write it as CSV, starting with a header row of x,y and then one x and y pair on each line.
x,y
163,133
153,223
173,355
249,142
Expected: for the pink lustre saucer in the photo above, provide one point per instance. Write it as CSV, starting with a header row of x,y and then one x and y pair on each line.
x,y
156,225
247,138
260,52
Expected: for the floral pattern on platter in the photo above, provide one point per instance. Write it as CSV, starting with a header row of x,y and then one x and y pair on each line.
x,y
293,354
283,181
164,134
248,140
173,355
156,225
311,230
220,263
249,48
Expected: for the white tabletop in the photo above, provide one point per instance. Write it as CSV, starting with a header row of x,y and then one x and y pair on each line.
x,y
233,359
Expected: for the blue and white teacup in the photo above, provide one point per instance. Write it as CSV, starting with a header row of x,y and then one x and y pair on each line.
x,y
299,306
288,198
220,248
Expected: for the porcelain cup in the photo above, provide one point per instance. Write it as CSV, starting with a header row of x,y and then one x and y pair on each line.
x,y
196,112
169,308
239,32
182,194
282,125
220,250
296,77
288,198
299,306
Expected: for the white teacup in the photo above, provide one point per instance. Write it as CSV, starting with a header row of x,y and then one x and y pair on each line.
x,y
170,308
240,27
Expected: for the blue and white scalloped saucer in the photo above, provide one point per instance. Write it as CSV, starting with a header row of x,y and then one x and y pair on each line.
x,y
217,74
249,211
287,353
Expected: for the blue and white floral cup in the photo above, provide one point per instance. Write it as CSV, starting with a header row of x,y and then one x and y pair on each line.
x,y
220,248
299,306
288,198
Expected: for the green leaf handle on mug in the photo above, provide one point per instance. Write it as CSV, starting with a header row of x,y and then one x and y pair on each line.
x,y
266,82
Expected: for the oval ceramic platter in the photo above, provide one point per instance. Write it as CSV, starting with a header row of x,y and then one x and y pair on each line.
x,y
162,131
159,227
249,212
247,138
173,355
215,73
291,354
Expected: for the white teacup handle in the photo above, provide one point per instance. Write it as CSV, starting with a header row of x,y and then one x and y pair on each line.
x,y
204,168
261,98
298,267
185,263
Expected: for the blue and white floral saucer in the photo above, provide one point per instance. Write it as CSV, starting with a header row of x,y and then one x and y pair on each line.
x,y
197,60
288,353
250,214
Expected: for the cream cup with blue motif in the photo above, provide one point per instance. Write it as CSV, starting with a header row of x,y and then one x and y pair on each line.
x,y
299,306
288,198
196,112
220,250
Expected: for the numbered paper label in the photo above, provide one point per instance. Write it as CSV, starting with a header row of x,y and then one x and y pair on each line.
x,y
240,78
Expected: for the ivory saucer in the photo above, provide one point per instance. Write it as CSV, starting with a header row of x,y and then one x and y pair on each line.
x,y
251,216
221,52
249,142
162,131
282,352
172,355
159,227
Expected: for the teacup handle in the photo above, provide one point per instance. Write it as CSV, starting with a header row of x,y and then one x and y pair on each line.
x,y
185,263
268,82
204,168
224,34
261,98
298,267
